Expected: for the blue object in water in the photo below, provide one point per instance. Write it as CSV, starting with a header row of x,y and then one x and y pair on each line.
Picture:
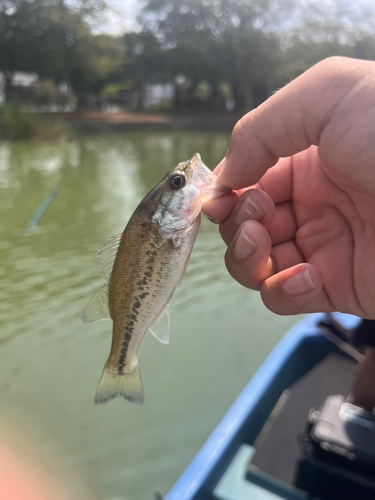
x,y
39,212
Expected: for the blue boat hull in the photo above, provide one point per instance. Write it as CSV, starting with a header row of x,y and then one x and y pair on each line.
x,y
301,348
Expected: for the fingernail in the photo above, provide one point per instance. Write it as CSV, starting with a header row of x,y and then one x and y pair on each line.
x,y
244,246
248,210
211,219
299,284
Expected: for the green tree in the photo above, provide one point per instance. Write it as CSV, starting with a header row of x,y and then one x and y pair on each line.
x,y
255,46
57,41
343,29
216,41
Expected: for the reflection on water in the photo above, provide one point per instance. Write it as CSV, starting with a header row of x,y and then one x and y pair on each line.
x,y
51,363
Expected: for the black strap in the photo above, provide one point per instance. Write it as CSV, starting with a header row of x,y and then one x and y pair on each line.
x,y
365,333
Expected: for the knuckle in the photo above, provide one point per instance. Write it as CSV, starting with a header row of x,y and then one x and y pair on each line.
x,y
240,129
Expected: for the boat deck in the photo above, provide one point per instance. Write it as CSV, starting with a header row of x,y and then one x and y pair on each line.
x,y
266,469
277,449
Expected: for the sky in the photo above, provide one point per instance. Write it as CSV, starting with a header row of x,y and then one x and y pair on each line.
x,y
126,20
124,17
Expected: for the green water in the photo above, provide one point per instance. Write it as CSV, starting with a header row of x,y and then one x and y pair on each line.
x,y
51,363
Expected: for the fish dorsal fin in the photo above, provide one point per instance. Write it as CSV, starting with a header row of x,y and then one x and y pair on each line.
x,y
107,254
160,329
97,309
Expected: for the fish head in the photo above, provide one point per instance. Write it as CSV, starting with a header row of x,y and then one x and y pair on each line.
x,y
183,191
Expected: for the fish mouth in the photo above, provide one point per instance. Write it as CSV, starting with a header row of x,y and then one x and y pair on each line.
x,y
206,180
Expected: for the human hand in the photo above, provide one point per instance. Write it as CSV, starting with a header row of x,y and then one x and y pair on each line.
x,y
308,242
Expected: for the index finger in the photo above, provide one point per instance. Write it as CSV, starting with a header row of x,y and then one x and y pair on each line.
x,y
290,121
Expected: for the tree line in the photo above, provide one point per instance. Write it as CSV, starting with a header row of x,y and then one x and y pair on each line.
x,y
220,54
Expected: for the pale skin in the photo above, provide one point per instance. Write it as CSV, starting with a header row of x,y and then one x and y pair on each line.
x,y
306,157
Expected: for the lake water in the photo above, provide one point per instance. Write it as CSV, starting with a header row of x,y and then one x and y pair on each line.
x,y
51,363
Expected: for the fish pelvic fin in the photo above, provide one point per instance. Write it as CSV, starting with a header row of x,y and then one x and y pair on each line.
x,y
112,384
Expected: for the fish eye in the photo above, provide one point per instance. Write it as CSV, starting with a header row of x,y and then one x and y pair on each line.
x,y
177,181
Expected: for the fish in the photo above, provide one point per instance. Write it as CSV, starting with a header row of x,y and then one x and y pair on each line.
x,y
142,267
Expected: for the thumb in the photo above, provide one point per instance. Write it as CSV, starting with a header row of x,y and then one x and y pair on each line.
x,y
291,120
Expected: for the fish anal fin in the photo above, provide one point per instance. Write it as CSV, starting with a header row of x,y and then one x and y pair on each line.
x,y
107,255
98,308
161,328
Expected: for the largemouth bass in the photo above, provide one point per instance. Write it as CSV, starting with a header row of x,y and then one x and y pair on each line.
x,y
143,266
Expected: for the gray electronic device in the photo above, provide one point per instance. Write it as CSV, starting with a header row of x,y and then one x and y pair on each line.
x,y
345,429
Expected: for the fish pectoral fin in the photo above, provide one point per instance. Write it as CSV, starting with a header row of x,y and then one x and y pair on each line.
x,y
98,308
107,254
161,328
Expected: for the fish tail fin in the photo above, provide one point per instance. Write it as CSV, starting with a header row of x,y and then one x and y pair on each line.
x,y
112,384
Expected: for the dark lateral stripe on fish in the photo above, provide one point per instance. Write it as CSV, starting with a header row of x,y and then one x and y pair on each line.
x,y
127,337
141,284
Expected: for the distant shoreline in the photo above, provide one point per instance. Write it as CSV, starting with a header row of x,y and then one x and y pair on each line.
x,y
89,122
